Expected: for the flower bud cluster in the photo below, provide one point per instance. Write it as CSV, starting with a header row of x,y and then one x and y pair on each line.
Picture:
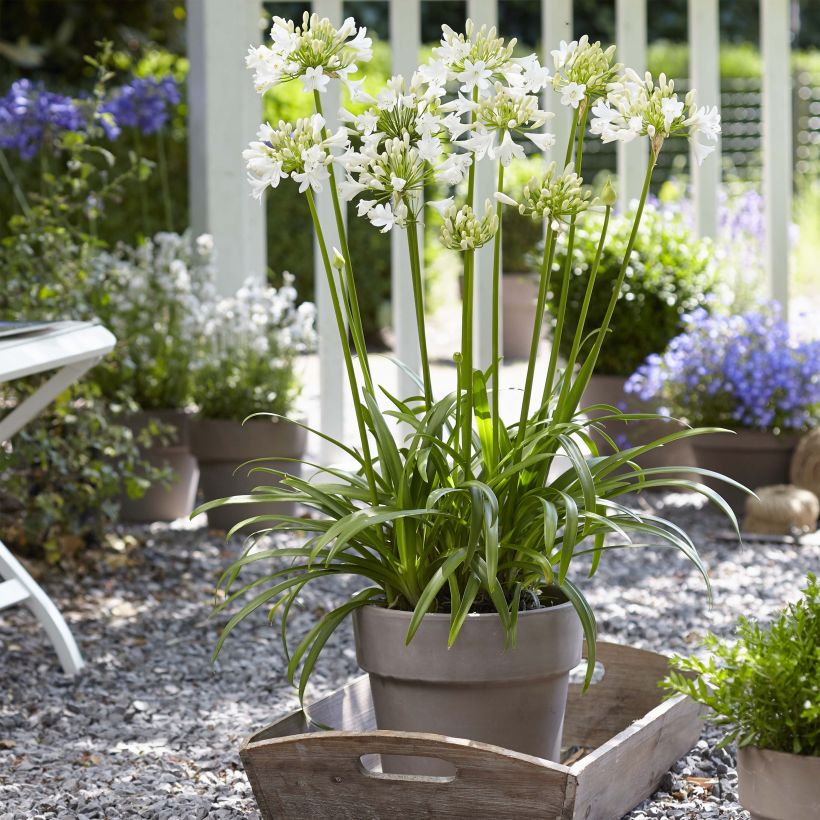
x,y
463,230
316,51
555,197
583,71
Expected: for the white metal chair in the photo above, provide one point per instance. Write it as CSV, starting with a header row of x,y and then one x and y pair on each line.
x,y
71,348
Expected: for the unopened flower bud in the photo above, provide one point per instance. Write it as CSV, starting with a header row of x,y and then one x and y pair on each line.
x,y
608,194
338,261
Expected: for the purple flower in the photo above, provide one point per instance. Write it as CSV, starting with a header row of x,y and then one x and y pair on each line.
x,y
145,103
735,371
30,115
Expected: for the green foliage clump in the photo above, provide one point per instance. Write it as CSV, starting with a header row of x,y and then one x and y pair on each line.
x,y
764,686
670,274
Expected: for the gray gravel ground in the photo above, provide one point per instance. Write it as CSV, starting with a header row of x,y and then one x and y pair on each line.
x,y
151,729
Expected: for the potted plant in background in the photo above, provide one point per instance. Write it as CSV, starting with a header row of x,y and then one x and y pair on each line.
x,y
745,373
764,688
669,275
152,297
244,385
463,545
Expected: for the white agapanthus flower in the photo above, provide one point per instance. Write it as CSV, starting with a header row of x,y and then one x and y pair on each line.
x,y
636,107
583,71
555,197
316,51
301,151
464,230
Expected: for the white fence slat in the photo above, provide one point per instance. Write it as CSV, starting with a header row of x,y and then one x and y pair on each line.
x,y
483,12
630,35
405,40
775,37
704,73
224,112
332,377
556,25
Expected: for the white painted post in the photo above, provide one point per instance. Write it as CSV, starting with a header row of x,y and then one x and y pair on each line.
x,y
556,25
224,112
775,38
630,36
483,12
332,378
704,73
405,40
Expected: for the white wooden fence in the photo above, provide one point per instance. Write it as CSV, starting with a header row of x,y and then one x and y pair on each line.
x,y
224,114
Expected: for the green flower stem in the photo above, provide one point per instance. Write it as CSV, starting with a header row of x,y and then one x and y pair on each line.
x,y
589,364
543,287
418,299
351,373
549,382
163,177
496,416
571,141
565,413
356,327
471,171
141,187
467,361
13,182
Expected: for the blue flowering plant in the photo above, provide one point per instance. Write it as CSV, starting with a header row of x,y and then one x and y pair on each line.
x,y
740,372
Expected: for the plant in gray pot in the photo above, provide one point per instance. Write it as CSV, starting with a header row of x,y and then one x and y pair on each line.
x,y
746,373
152,298
244,386
763,687
470,611
670,274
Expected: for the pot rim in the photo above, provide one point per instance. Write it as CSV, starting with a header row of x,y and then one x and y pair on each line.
x,y
438,616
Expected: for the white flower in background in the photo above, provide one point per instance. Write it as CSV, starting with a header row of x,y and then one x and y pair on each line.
x,y
463,230
583,71
532,76
474,75
316,51
301,151
382,216
638,106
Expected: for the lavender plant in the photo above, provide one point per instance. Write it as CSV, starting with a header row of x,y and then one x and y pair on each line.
x,y
742,371
461,514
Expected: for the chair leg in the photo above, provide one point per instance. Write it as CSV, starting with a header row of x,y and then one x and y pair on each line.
x,y
45,611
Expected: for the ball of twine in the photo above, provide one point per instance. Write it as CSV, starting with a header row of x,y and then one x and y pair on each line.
x,y
805,468
782,509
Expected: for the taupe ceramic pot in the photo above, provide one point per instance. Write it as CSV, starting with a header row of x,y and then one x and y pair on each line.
x,y
752,457
778,786
519,295
603,389
222,445
478,689
165,501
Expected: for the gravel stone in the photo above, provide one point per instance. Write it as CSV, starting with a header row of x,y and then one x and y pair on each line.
x,y
151,728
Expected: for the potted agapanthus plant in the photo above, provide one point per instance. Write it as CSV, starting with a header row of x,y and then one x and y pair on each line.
x,y
763,688
245,373
746,373
464,542
152,297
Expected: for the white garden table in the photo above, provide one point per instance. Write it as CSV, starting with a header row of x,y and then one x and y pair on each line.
x,y
70,348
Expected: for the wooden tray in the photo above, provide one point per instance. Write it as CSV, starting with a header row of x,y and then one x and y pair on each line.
x,y
299,773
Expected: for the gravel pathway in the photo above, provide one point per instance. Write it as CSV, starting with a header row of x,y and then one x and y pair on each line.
x,y
151,729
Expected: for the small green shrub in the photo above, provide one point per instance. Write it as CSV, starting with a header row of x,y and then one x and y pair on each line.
x,y
669,275
764,687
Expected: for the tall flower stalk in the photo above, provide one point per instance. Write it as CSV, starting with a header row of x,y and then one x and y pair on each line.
x,y
465,511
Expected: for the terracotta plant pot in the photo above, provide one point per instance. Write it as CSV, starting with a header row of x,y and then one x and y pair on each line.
x,y
777,785
478,689
519,295
165,502
752,457
603,389
222,445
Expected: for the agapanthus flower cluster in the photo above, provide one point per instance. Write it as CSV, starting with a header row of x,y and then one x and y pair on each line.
x,y
556,197
316,52
636,106
583,71
463,229
251,340
30,115
741,371
301,151
144,103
